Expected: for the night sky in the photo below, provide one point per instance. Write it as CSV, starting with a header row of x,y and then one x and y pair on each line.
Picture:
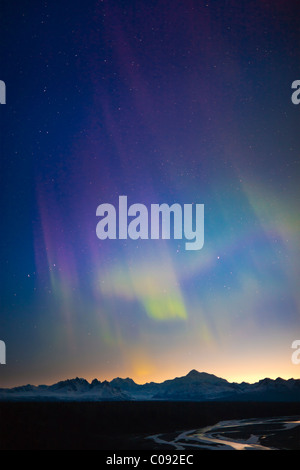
x,y
164,102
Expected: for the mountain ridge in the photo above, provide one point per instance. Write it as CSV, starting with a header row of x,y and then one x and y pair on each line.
x,y
194,386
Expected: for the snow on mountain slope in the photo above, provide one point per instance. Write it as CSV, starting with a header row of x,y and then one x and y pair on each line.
x,y
195,386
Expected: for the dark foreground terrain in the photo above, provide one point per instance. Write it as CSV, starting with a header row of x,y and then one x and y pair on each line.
x,y
121,425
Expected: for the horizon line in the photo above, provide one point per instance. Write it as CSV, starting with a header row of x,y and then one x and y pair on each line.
x,y
145,383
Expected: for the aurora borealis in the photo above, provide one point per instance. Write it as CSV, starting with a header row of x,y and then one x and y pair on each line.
x,y
164,102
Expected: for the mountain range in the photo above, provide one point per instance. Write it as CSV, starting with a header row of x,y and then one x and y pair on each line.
x,y
195,386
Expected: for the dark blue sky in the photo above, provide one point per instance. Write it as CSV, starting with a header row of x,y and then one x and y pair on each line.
x,y
164,102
